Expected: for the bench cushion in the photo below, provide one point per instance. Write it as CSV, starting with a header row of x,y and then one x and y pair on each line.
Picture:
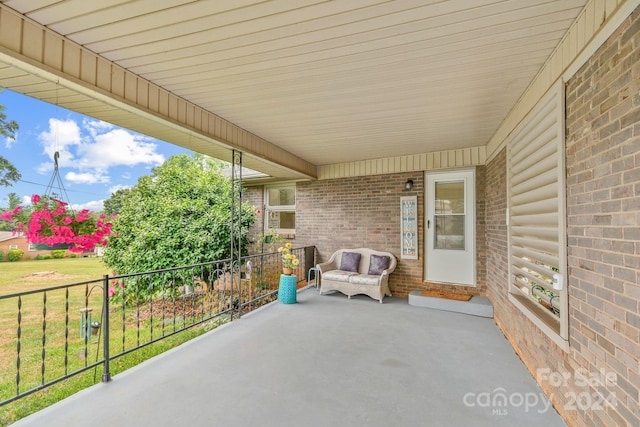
x,y
338,275
365,279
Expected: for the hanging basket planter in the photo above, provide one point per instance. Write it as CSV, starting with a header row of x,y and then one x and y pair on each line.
x,y
43,247
52,223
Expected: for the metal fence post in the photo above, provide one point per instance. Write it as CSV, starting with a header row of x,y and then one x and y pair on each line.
x,y
106,374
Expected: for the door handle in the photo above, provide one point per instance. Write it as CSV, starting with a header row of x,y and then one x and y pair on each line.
x,y
428,224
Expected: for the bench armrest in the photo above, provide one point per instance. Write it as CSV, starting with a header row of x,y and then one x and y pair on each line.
x,y
327,266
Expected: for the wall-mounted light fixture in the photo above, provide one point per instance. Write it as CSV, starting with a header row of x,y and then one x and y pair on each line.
x,y
409,184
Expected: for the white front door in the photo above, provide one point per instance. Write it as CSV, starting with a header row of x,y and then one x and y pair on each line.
x,y
450,224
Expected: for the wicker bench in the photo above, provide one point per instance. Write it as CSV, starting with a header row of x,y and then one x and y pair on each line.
x,y
358,271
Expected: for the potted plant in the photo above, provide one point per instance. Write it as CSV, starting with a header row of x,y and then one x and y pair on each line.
x,y
268,240
289,260
288,280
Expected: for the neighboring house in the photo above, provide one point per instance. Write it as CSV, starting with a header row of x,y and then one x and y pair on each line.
x,y
9,240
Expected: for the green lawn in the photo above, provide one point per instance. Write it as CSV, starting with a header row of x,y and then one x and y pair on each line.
x,y
61,310
22,276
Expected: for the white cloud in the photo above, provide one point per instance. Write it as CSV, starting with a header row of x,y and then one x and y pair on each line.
x,y
89,150
61,136
117,187
94,206
95,177
118,148
8,142
96,127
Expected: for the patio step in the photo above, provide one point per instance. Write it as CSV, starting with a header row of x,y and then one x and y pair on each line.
x,y
476,306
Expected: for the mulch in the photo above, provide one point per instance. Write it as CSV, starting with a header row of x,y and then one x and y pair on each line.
x,y
178,307
194,305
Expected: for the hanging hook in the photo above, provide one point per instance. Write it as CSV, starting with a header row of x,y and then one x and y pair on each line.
x,y
55,160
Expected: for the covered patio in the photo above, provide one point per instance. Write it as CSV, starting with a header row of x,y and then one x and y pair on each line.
x,y
531,107
326,360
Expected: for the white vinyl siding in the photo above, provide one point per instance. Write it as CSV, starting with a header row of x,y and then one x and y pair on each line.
x,y
536,215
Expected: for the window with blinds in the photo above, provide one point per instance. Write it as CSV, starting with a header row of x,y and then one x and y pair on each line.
x,y
536,215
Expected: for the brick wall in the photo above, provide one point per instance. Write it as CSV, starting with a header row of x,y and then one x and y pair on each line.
x,y
603,217
496,231
255,196
603,210
360,212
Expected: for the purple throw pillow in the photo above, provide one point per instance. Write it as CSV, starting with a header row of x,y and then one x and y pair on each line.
x,y
350,261
377,264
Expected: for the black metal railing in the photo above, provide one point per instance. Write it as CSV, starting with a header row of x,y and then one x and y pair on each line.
x,y
59,332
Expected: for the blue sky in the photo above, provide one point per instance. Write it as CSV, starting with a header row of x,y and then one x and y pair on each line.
x,y
96,158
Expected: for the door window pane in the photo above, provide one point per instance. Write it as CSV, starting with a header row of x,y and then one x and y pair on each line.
x,y
449,215
449,233
449,197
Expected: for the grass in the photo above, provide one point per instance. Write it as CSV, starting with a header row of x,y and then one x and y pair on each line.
x,y
55,314
22,276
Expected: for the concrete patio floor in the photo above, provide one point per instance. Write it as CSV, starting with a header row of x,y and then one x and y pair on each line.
x,y
324,361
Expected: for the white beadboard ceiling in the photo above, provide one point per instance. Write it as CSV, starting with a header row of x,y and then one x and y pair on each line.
x,y
328,81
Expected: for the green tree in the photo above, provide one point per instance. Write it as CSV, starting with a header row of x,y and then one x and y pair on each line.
x,y
113,204
209,163
23,216
178,215
14,200
8,172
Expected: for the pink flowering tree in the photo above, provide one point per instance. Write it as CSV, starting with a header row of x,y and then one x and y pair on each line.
x,y
53,223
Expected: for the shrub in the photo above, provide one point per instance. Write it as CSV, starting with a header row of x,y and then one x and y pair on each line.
x,y
39,257
72,255
1,256
15,254
58,253
47,256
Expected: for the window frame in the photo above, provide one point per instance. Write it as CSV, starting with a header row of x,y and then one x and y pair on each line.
x,y
269,208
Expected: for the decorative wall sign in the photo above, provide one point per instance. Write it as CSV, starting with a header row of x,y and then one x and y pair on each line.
x,y
409,227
